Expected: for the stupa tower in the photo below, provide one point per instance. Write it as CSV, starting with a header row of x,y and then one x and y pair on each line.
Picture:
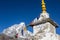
x,y
43,23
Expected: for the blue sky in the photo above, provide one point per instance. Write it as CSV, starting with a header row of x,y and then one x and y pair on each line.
x,y
16,11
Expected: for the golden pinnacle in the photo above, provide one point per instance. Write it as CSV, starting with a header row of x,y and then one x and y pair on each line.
x,y
43,6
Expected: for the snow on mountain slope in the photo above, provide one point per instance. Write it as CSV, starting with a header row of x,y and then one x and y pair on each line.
x,y
13,30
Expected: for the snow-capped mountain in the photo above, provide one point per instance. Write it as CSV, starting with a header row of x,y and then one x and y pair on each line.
x,y
17,29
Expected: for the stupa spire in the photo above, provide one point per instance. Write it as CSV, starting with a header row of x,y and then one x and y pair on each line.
x,y
43,6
